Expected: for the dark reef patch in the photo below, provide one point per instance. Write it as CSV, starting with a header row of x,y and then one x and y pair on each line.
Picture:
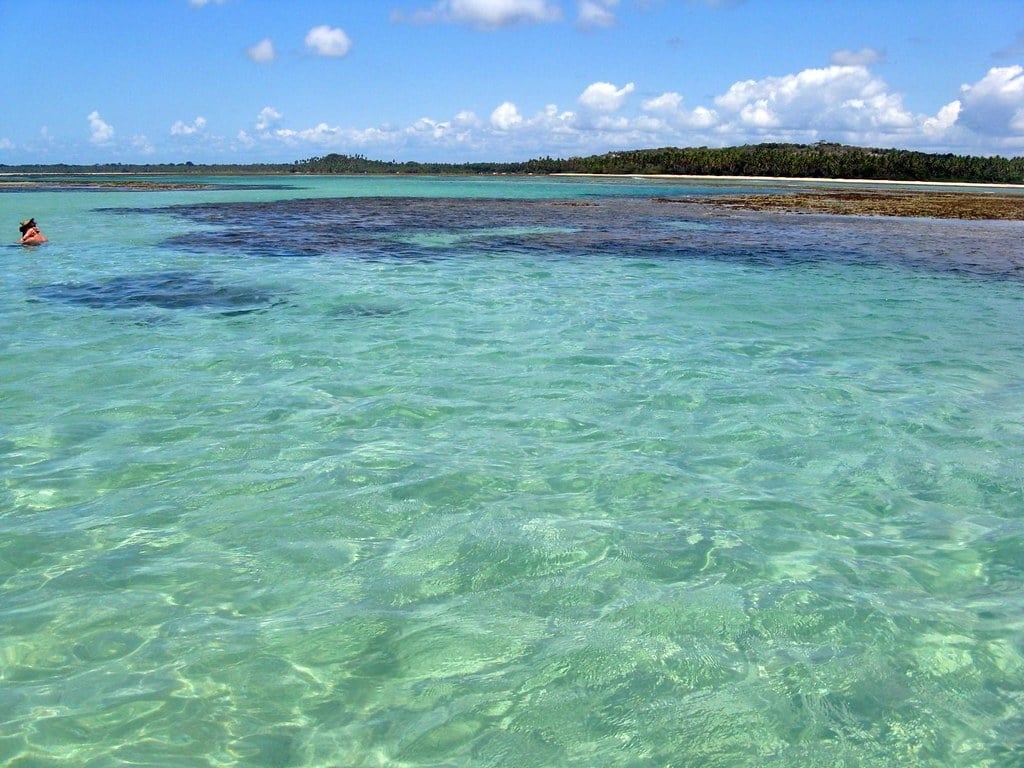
x,y
163,290
619,227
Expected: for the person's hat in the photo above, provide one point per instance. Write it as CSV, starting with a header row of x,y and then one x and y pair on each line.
x,y
27,224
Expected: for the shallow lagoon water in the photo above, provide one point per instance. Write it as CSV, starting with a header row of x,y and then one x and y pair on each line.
x,y
430,472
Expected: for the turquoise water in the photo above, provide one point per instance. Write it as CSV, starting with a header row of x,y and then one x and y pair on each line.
x,y
507,472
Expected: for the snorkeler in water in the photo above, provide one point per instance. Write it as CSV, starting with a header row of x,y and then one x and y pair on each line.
x,y
30,233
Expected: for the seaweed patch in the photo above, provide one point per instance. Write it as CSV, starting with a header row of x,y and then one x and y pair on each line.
x,y
701,228
163,290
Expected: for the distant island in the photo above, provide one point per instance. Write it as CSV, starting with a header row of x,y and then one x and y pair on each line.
x,y
822,160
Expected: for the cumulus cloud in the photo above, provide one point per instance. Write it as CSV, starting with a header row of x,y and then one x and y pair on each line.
x,y
506,133
6,144
328,41
435,131
486,14
844,98
100,131
457,131
668,107
506,117
596,13
667,103
467,119
995,104
181,128
267,118
262,52
943,121
865,57
605,97
321,133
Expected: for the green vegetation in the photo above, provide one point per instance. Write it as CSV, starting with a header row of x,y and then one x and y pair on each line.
x,y
819,161
358,164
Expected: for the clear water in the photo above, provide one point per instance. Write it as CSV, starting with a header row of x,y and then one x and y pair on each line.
x,y
505,472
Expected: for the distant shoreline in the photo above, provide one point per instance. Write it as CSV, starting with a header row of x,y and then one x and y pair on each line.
x,y
798,180
28,178
765,162
850,197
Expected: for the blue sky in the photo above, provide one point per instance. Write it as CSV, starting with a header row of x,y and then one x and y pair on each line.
x,y
238,81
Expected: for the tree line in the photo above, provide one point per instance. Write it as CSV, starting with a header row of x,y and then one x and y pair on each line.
x,y
817,161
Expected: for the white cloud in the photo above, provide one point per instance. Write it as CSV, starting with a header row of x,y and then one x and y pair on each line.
x,y
836,98
487,14
865,57
428,132
596,13
201,3
6,144
467,119
181,128
433,129
668,103
945,119
267,118
605,97
100,131
669,108
262,52
506,117
328,41
994,105
321,133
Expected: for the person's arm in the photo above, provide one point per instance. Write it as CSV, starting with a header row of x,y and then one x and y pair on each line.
x,y
33,237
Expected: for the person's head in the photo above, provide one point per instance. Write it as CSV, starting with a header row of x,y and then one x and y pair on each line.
x,y
27,225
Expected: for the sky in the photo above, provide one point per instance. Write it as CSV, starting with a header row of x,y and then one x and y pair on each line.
x,y
248,81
